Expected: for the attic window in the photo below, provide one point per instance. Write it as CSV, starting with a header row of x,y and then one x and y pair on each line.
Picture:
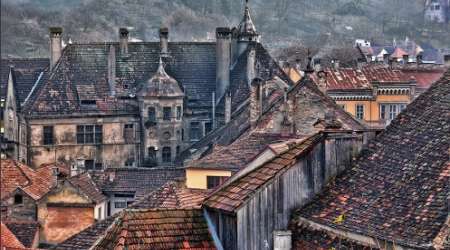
x,y
18,199
88,102
126,86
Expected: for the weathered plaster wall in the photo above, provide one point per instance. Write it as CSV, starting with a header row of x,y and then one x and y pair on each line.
x,y
24,211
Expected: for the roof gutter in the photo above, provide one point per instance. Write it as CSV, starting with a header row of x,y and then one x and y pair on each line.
x,y
32,90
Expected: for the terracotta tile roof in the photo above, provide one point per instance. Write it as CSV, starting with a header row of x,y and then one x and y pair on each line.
x,y
397,188
140,181
231,196
177,229
25,231
398,53
85,183
236,154
35,182
348,79
86,238
9,240
171,195
26,70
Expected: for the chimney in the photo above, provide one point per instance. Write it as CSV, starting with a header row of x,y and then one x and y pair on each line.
x,y
223,35
112,70
360,64
234,45
257,68
163,41
80,165
317,65
412,88
181,182
385,58
394,63
255,100
419,59
251,55
54,177
73,169
369,58
322,75
55,45
405,59
123,35
447,60
298,66
112,175
282,240
336,64
227,107
309,71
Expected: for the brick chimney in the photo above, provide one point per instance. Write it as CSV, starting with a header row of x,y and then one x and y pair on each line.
x,y
447,60
54,177
282,240
227,107
55,46
223,36
255,100
112,70
123,44
164,41
251,56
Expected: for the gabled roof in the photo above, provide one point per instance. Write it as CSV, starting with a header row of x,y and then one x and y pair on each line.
x,y
397,188
171,195
398,53
140,181
230,197
158,229
26,72
9,240
86,185
25,231
35,182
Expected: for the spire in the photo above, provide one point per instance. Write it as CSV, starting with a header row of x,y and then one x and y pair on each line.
x,y
246,26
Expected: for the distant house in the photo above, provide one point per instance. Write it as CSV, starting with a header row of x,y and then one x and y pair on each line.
x,y
438,10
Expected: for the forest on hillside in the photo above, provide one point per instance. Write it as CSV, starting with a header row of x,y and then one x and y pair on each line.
x,y
25,23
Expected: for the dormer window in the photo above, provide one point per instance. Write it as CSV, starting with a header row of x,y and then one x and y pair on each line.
x,y
18,199
88,102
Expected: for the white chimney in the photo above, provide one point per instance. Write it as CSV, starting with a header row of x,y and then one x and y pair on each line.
x,y
282,240
55,45
80,165
73,169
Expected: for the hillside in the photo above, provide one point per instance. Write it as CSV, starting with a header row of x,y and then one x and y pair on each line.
x,y
281,23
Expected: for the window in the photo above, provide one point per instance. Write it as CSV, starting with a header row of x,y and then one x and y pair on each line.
x,y
431,7
437,7
152,153
214,181
195,129
151,114
89,134
129,126
119,204
389,111
343,106
167,113
208,127
48,135
129,164
166,155
360,111
182,134
179,113
178,150
98,166
18,199
89,164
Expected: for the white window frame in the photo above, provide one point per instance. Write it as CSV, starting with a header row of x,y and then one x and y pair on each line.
x,y
363,111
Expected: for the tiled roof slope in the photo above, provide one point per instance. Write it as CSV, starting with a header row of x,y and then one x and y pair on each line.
x,y
236,154
308,237
231,196
86,238
35,182
25,231
87,186
397,188
9,240
158,229
27,71
140,181
171,195
346,78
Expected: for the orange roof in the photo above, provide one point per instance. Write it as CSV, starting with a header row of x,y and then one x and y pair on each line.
x,y
398,53
9,240
35,182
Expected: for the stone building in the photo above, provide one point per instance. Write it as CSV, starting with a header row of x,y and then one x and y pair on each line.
x,y
133,104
